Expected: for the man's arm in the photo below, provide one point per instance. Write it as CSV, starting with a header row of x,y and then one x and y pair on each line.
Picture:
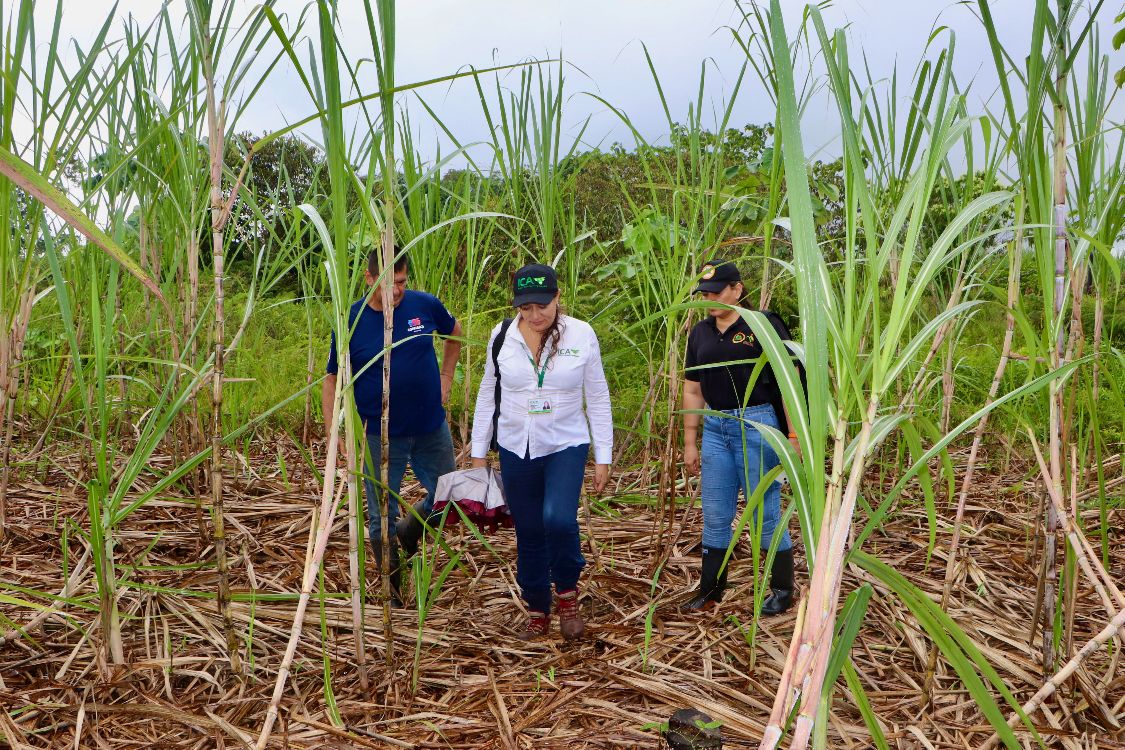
x,y
327,402
450,353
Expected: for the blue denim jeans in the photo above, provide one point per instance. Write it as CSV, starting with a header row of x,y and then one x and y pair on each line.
x,y
542,496
429,455
735,456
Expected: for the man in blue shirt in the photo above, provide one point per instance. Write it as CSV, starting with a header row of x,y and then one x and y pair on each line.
x,y
419,431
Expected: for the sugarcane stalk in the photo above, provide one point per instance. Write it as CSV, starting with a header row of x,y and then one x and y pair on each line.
x,y
1094,445
101,545
826,587
11,353
1050,565
1088,559
1072,580
386,291
219,216
355,528
329,500
1057,438
1014,263
784,697
666,483
189,420
355,543
813,626
387,23
1095,375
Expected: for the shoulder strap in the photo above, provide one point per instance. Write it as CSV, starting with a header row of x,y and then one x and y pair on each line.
x,y
497,344
778,324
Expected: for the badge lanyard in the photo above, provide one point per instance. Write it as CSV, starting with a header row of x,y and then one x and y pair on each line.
x,y
538,404
540,372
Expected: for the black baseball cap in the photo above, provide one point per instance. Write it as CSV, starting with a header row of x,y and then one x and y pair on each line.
x,y
534,284
716,275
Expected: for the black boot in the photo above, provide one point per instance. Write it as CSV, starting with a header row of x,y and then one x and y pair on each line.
x,y
713,581
395,569
409,528
781,584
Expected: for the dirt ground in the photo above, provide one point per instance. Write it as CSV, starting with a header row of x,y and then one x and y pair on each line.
x,y
477,687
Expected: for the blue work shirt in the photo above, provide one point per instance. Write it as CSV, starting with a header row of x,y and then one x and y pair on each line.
x,y
416,407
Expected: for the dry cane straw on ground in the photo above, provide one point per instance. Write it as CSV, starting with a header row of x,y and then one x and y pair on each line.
x,y
1115,625
312,563
598,694
1088,560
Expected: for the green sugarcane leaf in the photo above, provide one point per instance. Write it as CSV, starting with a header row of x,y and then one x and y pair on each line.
x,y
15,601
914,443
881,428
859,695
847,628
962,654
749,508
25,177
880,513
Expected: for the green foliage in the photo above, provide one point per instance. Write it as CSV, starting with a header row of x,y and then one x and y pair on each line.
x,y
1118,42
281,175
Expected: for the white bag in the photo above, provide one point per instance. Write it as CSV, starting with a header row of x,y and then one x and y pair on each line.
x,y
478,493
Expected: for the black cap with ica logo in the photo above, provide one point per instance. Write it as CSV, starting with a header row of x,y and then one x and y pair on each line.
x,y
534,284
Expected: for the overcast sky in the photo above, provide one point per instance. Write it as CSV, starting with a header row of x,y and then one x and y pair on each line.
x,y
601,42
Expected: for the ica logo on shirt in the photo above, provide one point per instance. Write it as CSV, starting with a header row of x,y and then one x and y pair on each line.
x,y
743,338
414,325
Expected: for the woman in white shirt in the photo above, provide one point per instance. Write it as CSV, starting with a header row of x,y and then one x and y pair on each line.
x,y
553,403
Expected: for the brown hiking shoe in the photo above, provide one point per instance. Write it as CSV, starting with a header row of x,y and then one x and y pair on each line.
x,y
570,620
538,624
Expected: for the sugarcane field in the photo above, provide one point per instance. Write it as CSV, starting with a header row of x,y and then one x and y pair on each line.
x,y
724,374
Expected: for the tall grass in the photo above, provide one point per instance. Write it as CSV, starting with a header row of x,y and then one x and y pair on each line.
x,y
856,353
65,116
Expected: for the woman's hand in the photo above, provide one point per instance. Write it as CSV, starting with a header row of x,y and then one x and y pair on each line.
x,y
601,478
480,463
796,443
691,459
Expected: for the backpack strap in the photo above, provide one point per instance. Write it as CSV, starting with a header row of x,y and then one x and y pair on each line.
x,y
497,344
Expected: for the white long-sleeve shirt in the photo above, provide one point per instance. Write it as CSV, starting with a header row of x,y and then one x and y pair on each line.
x,y
574,386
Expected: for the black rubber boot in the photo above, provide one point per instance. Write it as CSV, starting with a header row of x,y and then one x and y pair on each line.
x,y
409,528
781,584
396,570
712,583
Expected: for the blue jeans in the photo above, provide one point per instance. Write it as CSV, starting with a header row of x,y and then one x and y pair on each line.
x,y
542,496
429,455
735,456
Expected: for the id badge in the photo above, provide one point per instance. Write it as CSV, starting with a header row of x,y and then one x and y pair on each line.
x,y
538,405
